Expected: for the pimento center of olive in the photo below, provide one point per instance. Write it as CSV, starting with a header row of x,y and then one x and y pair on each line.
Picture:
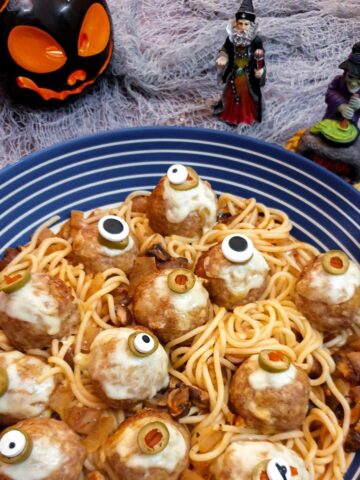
x,y
336,262
181,279
153,438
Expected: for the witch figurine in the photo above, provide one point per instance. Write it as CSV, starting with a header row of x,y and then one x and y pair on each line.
x,y
334,142
241,65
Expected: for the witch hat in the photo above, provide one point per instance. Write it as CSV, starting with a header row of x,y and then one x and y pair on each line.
x,y
246,11
352,64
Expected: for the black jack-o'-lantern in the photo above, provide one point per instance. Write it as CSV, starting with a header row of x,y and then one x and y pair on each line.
x,y
55,49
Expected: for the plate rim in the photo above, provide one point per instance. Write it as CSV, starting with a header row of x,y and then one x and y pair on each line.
x,y
103,136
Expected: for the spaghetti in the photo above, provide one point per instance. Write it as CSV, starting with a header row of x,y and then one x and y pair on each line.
x,y
207,356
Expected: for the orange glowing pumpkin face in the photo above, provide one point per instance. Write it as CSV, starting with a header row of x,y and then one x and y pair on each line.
x,y
58,49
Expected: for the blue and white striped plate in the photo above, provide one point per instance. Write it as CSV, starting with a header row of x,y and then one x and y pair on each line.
x,y
102,169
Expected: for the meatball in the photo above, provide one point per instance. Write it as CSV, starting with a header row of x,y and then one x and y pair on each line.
x,y
171,303
329,297
127,365
40,449
187,208
103,244
21,395
43,309
149,445
270,401
241,459
231,282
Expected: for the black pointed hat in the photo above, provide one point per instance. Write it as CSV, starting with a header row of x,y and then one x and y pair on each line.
x,y
352,64
246,11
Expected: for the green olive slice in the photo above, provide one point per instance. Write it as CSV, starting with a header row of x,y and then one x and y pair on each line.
x,y
15,445
181,280
192,181
153,438
274,361
142,344
335,262
4,381
114,245
14,282
259,472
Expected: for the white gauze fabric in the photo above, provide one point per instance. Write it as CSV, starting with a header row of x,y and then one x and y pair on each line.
x,y
163,71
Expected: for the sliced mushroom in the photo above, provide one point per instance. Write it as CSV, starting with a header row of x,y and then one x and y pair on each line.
x,y
199,398
178,402
158,252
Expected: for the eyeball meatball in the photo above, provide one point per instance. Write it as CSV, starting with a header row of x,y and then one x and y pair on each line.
x,y
328,292
182,204
171,303
270,393
103,244
35,309
40,449
258,461
236,272
21,395
127,365
149,445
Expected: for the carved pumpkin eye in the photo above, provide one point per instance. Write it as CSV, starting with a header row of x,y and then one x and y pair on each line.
x,y
35,50
3,5
95,31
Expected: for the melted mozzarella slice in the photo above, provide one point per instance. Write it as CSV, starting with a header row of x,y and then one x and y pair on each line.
x,y
183,303
241,278
45,459
260,379
25,397
127,377
180,203
30,304
241,458
333,289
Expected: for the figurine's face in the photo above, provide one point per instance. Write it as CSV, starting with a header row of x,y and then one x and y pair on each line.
x,y
352,83
56,49
242,25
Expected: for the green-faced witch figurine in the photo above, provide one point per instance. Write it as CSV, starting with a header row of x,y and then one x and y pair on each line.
x,y
334,141
241,65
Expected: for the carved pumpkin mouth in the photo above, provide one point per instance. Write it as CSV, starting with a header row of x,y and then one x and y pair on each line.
x,y
48,94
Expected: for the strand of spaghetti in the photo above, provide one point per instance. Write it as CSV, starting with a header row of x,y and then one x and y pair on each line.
x,y
101,322
50,373
85,317
33,241
81,393
324,373
210,327
192,420
207,384
199,370
220,389
107,288
206,349
206,457
183,378
342,400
